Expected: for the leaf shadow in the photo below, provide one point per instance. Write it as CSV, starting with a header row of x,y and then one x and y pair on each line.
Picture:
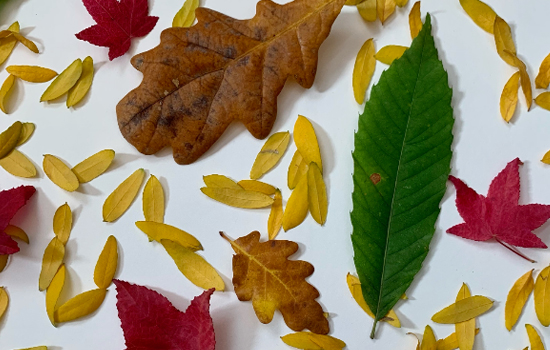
x,y
88,189
122,159
226,328
9,8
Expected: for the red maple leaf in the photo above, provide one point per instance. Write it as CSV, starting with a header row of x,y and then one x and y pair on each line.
x,y
10,202
499,215
150,321
117,23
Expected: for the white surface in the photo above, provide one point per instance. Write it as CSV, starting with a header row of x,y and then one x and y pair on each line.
x,y
483,145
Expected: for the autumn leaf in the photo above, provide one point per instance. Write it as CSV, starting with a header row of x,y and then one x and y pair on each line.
x,y
118,22
534,338
270,154
262,273
390,53
123,196
415,21
363,70
189,106
463,310
60,173
509,97
312,341
93,166
153,200
542,297
543,77
150,321
186,15
465,331
10,203
428,339
4,301
481,13
517,298
367,10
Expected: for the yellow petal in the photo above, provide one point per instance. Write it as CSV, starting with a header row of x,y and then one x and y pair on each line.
x,y
27,130
385,8
415,20
64,81
258,186
33,74
9,138
451,342
7,44
106,265
81,305
298,167
367,10
220,181
534,338
186,15
504,40
93,166
517,297
401,3
275,221
63,223
3,261
270,154
465,331
509,97
122,197
16,232
5,92
28,43
51,261
542,297
300,340
193,266
543,100
482,14
363,70
297,206
17,164
326,341
463,310
54,291
317,194
82,86
389,53
428,340
4,301
306,141
59,173
524,78
543,78
238,198
158,231
153,200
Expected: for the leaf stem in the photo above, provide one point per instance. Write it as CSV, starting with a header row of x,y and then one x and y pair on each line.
x,y
515,251
373,329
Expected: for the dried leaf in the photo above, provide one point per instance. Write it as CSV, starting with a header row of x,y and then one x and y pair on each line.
x,y
93,166
367,10
9,138
28,43
51,261
275,221
32,74
534,338
482,14
54,291
465,331
82,86
451,342
7,44
415,20
16,232
185,17
60,173
64,81
297,206
270,154
463,310
238,198
193,266
4,301
317,194
542,297
3,261
504,40
153,200
363,70
36,348
517,298
353,2
390,53
428,340
543,78
258,186
122,197
220,181
385,8
81,305
158,232
296,170
306,141
107,263
326,342
509,97
63,223
17,164
5,92
524,77
543,100
301,340
401,3
26,132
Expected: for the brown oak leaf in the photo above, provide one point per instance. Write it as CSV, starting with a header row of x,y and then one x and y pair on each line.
x,y
262,273
200,79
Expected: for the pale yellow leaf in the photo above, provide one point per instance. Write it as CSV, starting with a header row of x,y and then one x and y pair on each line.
x,y
122,197
3,261
367,10
517,297
82,86
36,348
186,15
543,78
465,331
54,291
390,53
275,221
16,232
4,301
306,141
63,223
81,305
363,70
504,40
300,340
159,231
238,198
64,81
17,164
297,206
534,338
51,261
93,166
415,20
546,158
317,194
509,97
296,170
60,173
385,8
153,200
463,310
481,13
258,186
220,181
542,297
193,266
401,3
543,100
451,342
107,263
524,77
7,44
428,340
33,74
5,91
270,154
9,138
326,342
28,43
27,129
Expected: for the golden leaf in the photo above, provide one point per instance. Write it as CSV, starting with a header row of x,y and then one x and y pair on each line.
x,y
193,266
367,10
270,154
306,141
82,86
63,223
107,263
220,181
122,197
509,97
546,158
465,331
238,198
363,70
186,15
353,2
275,221
542,297
36,348
415,20
326,342
51,261
28,43
64,81
7,44
463,310
3,261
296,170
17,164
390,53
5,92
517,297
504,40
385,8
258,186
54,291
158,231
9,138
27,129
401,3
32,74
60,173
482,14
297,206
300,340
543,100
543,78
534,338
16,232
4,301
93,166
451,342
317,194
153,200
81,305
524,78
428,340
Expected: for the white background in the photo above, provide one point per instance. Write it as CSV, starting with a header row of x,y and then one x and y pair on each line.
x,y
483,145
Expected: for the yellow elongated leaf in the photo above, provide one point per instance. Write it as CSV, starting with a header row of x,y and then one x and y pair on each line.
x,y
27,129
270,154
7,44
107,263
63,223
54,291
517,297
415,20
28,43
238,198
428,340
504,40
367,10
543,78
81,305
158,231
153,200
51,261
543,100
534,338
401,3
36,348
83,84
17,164
258,186
297,206
317,194
60,173
3,261
481,13
389,53
275,221
64,81
9,138
32,74
451,342
16,232
220,181
300,340
193,266
122,197
542,297
4,301
93,166
363,70
186,15
5,91
463,310
509,97
524,78
465,331
306,141
296,170
384,9
326,341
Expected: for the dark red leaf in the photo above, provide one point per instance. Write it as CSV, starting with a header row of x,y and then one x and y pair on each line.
x,y
149,320
117,23
10,202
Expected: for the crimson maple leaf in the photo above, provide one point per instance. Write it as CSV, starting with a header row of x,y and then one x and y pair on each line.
x,y
150,321
499,215
117,23
10,202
